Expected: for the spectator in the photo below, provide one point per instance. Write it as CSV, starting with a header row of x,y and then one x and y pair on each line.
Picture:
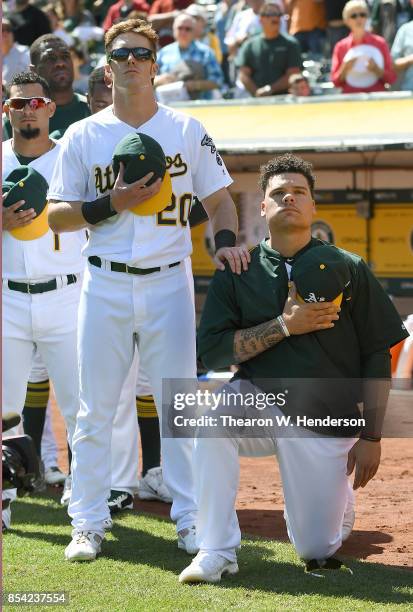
x,y
308,25
56,24
202,33
162,14
246,23
50,58
361,61
16,58
187,55
99,94
388,15
80,79
298,86
402,53
336,28
267,60
29,22
115,12
223,15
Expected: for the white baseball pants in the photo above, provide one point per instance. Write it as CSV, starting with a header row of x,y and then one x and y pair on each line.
x,y
314,480
118,310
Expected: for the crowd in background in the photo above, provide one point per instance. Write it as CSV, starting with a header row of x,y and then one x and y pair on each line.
x,y
232,49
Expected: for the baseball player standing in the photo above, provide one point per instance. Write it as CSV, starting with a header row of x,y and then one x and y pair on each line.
x,y
136,289
41,270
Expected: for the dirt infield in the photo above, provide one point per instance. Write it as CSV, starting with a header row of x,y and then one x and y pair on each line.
x,y
383,532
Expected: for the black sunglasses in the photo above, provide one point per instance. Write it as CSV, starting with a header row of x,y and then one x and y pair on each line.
x,y
271,14
355,15
139,53
33,103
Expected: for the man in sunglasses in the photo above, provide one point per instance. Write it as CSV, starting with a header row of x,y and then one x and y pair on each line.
x,y
267,60
136,287
41,271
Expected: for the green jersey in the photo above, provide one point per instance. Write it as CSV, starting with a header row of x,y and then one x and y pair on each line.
x,y
368,323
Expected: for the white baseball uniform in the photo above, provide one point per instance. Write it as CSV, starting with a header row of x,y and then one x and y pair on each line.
x,y
119,310
47,320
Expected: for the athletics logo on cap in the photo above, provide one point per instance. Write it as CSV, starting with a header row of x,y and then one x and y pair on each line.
x,y
321,274
140,155
25,183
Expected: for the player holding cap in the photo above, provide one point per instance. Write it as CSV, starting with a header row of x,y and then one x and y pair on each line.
x,y
253,321
41,271
136,289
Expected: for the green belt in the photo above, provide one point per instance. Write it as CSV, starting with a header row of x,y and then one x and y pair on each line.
x,y
122,267
34,288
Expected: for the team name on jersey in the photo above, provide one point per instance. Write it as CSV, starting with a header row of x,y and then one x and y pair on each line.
x,y
105,177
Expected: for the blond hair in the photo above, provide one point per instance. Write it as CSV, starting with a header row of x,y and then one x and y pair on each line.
x,y
350,6
139,26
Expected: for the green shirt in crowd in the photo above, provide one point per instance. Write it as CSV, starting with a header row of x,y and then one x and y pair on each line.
x,y
269,59
64,116
368,324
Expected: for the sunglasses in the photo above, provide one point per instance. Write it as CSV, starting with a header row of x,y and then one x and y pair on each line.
x,y
355,15
33,103
271,14
185,28
139,53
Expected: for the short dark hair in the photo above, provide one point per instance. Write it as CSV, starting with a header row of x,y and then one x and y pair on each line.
x,y
96,77
35,50
31,78
283,164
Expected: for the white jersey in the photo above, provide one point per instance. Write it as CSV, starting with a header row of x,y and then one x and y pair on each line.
x,y
46,257
83,172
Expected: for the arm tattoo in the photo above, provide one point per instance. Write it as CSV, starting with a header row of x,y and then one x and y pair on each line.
x,y
249,343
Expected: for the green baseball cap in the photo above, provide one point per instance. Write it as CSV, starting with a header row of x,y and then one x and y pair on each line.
x,y
140,155
25,183
321,274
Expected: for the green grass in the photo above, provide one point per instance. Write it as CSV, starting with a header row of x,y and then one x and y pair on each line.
x,y
140,563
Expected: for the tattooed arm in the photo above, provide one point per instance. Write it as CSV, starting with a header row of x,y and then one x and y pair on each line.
x,y
299,319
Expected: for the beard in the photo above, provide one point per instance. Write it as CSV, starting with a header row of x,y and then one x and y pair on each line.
x,y
29,132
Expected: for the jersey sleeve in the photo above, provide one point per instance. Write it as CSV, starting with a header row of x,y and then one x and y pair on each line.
x,y
208,170
378,324
220,319
69,180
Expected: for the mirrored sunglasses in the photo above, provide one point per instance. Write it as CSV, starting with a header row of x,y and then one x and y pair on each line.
x,y
32,103
139,53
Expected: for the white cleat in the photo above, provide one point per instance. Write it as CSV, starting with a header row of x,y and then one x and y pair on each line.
x,y
152,486
53,476
67,491
187,540
85,545
208,567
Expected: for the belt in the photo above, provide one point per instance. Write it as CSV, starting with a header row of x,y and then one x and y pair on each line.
x,y
34,288
122,267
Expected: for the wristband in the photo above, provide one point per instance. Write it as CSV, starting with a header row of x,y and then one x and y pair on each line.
x,y
283,325
98,210
370,438
224,238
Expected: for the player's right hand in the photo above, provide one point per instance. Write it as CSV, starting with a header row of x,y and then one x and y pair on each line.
x,y
11,219
127,195
305,318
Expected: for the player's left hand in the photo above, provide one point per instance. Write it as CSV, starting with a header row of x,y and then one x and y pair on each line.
x,y
365,457
238,258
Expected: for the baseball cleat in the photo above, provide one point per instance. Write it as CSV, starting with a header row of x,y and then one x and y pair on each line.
x,y
108,524
53,476
187,540
208,567
67,491
152,486
85,545
319,567
5,518
119,500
